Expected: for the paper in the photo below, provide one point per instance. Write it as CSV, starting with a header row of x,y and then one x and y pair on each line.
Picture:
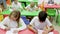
x,y
11,31
2,26
51,33
40,32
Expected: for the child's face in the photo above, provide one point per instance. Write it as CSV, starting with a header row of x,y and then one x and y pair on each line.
x,y
32,4
16,1
13,18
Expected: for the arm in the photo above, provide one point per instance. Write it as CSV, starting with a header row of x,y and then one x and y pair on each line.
x,y
4,25
32,28
22,25
49,26
27,7
20,6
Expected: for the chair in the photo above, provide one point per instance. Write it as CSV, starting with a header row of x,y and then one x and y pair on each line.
x,y
28,3
52,13
23,5
25,20
58,19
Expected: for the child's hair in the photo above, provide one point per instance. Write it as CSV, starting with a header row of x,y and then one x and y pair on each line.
x,y
42,16
16,14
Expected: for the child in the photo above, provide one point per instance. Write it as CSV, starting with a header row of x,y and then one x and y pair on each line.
x,y
40,22
31,7
1,16
13,22
16,5
51,2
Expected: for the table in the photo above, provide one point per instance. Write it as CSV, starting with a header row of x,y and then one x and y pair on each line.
x,y
51,6
27,31
28,0
23,13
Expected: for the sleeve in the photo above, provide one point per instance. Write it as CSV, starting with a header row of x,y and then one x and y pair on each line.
x,y
3,23
20,6
27,7
22,25
48,22
13,5
40,1
32,22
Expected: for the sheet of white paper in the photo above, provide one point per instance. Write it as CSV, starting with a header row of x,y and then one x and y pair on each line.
x,y
40,32
51,33
2,26
11,31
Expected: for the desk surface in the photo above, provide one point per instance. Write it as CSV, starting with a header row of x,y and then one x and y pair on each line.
x,y
51,6
23,13
28,0
27,31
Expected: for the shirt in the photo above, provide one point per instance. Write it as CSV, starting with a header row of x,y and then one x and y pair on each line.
x,y
31,9
13,24
16,6
38,25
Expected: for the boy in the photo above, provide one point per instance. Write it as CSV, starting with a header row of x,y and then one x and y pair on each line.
x,y
41,22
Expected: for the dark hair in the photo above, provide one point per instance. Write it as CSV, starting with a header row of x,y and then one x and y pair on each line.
x,y
42,16
15,13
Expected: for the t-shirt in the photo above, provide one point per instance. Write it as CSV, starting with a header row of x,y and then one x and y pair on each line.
x,y
16,6
38,25
40,2
31,9
13,24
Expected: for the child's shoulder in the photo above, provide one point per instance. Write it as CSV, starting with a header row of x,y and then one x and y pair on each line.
x,y
6,18
21,19
36,17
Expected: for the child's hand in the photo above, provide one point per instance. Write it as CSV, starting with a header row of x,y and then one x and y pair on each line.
x,y
7,28
45,32
15,31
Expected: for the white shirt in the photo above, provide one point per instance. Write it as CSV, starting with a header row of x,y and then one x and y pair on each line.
x,y
12,24
31,9
40,2
16,6
38,25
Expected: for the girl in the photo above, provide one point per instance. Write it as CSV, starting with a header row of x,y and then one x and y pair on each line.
x,y
13,22
16,5
40,22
